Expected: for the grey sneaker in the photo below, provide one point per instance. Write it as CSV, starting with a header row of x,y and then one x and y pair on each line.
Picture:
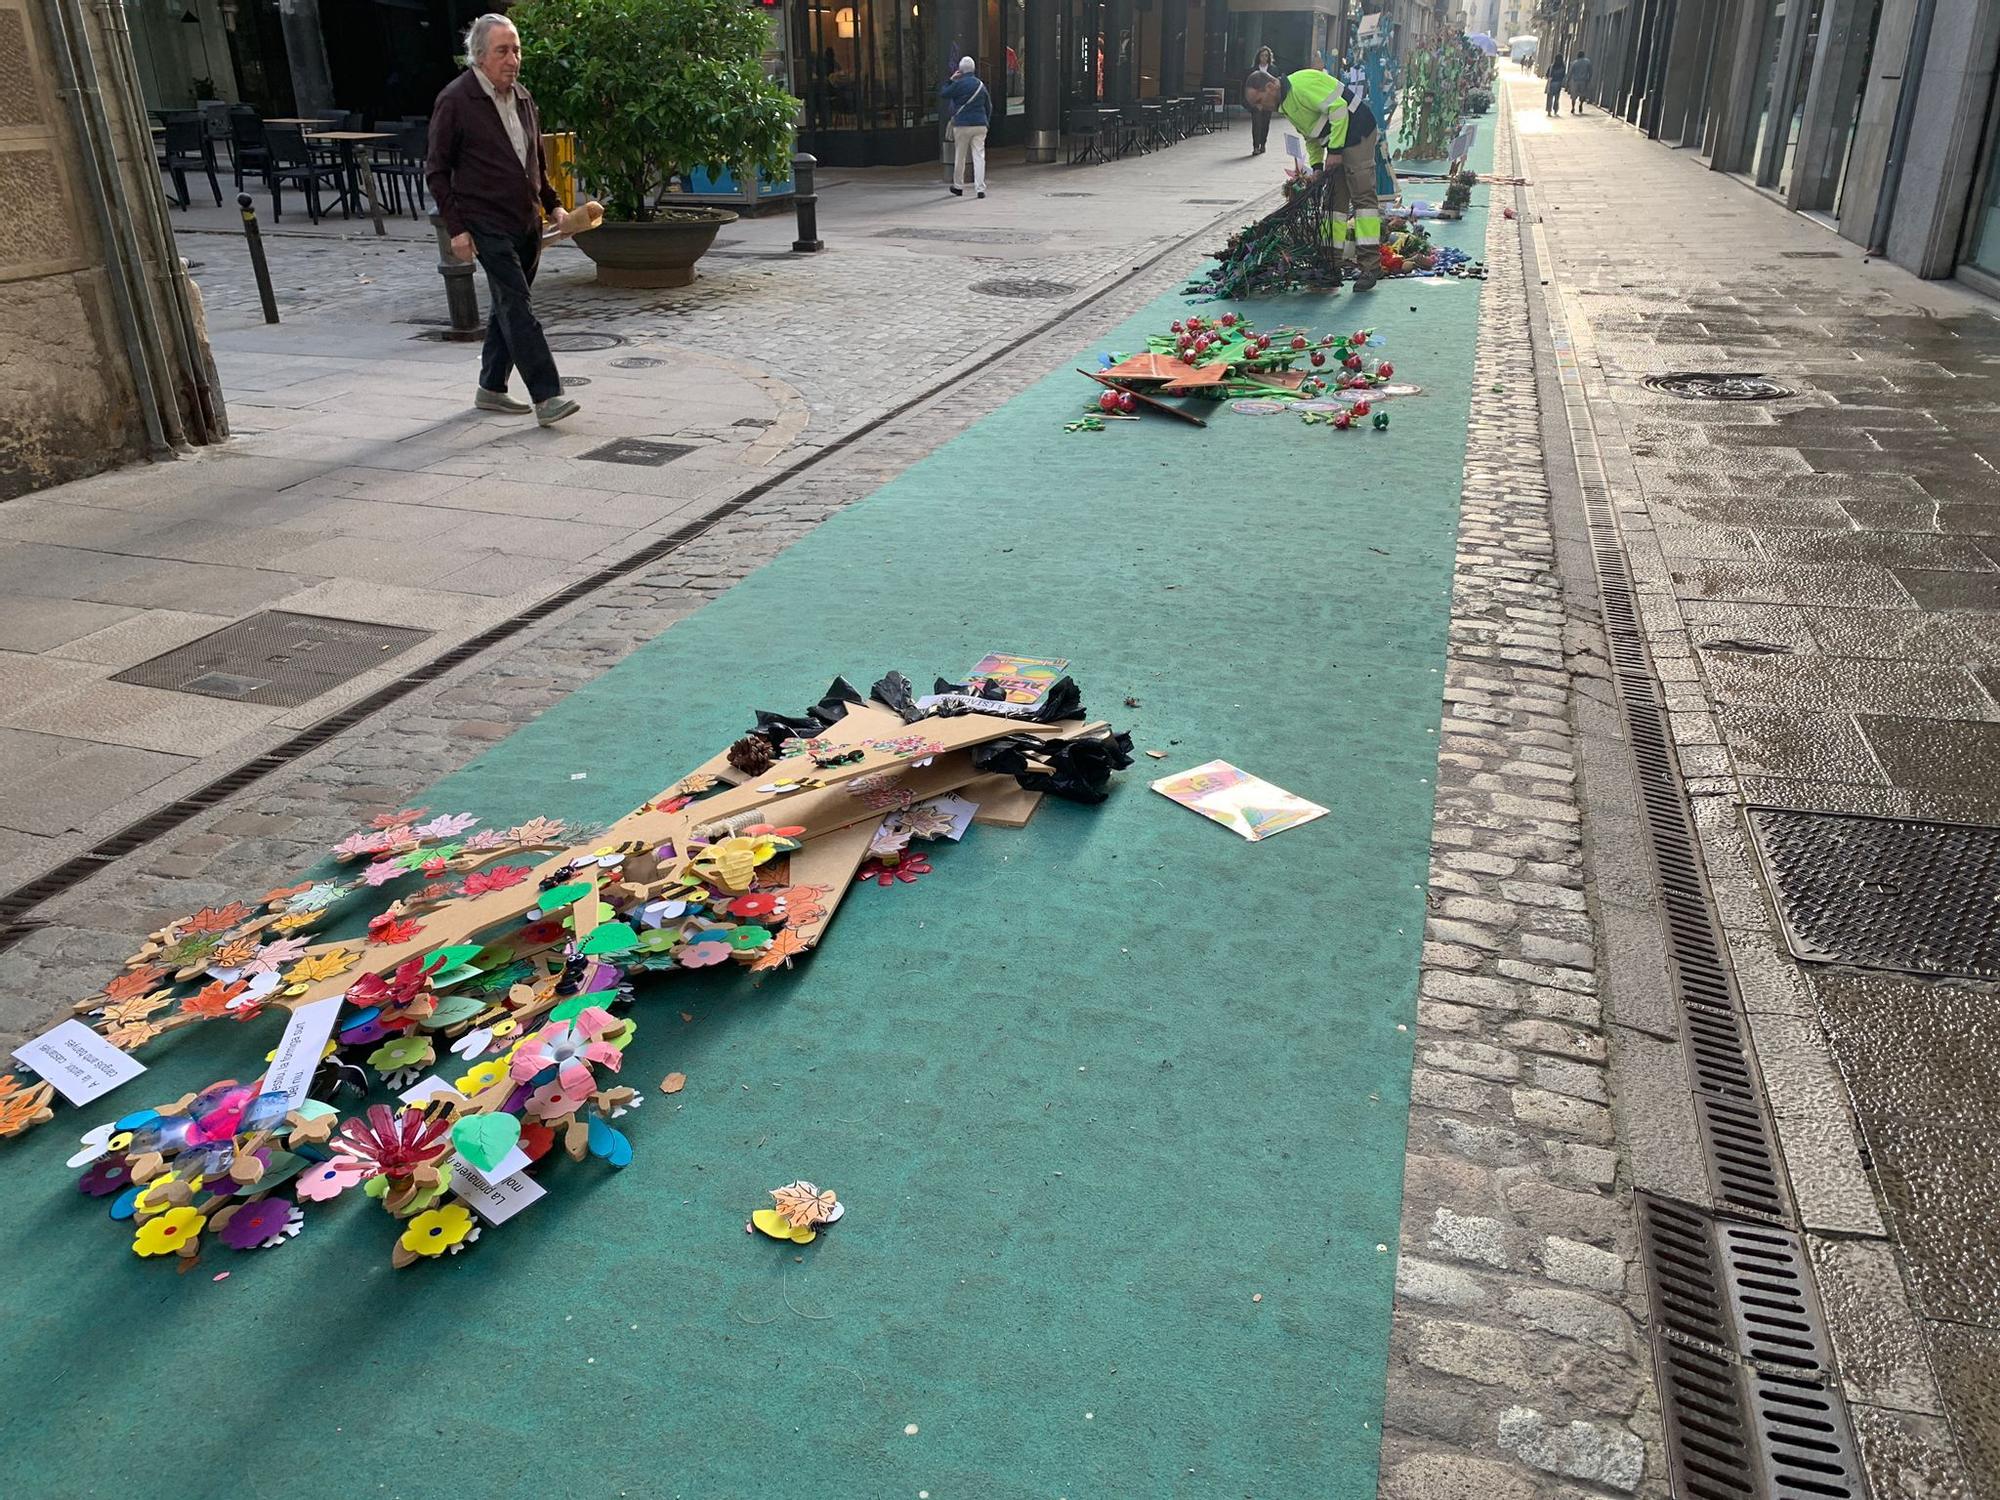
x,y
487,400
553,410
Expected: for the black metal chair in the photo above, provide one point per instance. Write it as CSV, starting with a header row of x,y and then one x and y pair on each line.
x,y
215,120
291,161
402,165
247,149
1133,132
1088,141
188,150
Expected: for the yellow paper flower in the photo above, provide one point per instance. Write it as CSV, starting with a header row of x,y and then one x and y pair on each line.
x,y
435,1232
153,1200
166,1234
482,1076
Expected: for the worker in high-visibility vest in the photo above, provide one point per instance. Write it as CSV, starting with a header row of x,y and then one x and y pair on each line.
x,y
1333,118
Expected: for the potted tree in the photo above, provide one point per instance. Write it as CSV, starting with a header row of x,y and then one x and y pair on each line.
x,y
654,89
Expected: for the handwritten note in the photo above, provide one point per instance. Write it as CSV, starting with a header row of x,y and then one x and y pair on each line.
x,y
495,1199
299,1050
79,1062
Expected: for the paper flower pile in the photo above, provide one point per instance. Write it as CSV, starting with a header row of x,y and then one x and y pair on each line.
x,y
488,1002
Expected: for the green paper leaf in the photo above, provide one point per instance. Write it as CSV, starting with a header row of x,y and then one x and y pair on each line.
x,y
565,895
611,938
569,1010
453,1009
451,957
485,1140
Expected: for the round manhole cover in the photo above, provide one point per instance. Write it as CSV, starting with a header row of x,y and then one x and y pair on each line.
x,y
583,343
636,362
1718,385
571,382
1027,290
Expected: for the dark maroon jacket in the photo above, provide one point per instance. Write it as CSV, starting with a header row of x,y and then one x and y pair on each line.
x,y
473,172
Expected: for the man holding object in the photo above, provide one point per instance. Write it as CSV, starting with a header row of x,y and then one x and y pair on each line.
x,y
486,172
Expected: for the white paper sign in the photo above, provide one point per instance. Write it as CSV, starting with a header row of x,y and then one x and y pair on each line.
x,y
495,1199
299,1050
1295,149
930,701
79,1062
425,1088
958,809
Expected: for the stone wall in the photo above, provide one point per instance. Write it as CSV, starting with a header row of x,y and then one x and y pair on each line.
x,y
70,407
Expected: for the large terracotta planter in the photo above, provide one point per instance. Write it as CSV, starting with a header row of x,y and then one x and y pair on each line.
x,y
659,253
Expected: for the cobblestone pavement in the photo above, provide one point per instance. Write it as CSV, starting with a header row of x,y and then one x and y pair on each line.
x,y
1518,1368
1818,580
360,484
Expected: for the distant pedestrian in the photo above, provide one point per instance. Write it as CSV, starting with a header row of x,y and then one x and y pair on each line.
x,y
1260,119
1553,81
1577,77
486,171
968,108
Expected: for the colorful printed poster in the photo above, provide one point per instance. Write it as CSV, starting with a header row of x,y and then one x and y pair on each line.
x,y
1246,804
1024,679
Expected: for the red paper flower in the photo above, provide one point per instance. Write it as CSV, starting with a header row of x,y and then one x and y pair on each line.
x,y
907,869
755,904
394,1145
399,987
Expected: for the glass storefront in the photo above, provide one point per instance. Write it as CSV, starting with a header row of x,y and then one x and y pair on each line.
x,y
863,68
1766,82
1795,101
1983,238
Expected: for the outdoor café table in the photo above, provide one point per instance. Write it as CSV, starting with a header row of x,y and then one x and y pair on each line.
x,y
358,180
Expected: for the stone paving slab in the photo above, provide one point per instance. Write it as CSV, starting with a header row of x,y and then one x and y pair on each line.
x,y
1843,527
360,483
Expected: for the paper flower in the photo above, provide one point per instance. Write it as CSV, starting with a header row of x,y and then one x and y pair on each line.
x,y
160,1194
392,1144
96,1142
107,1175
328,1180
257,1225
706,954
906,869
437,1231
555,1099
482,1076
755,904
749,939
402,1052
570,1047
169,1233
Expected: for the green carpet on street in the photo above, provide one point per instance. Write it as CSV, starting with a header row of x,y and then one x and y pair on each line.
x,y
1091,1091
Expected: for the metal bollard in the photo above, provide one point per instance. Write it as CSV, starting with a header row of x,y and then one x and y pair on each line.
x,y
263,272
460,296
807,203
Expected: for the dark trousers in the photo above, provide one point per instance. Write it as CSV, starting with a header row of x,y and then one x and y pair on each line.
x,y
513,336
1555,98
1260,128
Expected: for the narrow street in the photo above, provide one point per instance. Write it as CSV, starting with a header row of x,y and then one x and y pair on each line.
x,y
1174,1165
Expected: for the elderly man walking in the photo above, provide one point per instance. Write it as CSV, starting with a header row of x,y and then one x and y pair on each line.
x,y
491,184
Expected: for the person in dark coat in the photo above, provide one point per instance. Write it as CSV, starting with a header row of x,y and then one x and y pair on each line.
x,y
1260,119
1576,78
1553,81
487,173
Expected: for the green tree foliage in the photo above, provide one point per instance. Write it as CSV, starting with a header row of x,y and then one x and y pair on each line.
x,y
654,89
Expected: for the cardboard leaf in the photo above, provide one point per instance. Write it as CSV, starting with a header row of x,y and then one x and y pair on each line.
x,y
451,956
611,938
565,895
485,1140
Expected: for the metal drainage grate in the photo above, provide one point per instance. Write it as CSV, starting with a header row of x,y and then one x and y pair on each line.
x,y
573,382
1747,1386
642,451
754,422
1072,195
275,658
452,335
1222,202
1028,290
1884,893
1808,255
1717,385
583,343
636,362
964,236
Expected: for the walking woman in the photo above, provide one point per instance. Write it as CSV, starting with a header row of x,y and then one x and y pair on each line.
x,y
1260,119
1553,79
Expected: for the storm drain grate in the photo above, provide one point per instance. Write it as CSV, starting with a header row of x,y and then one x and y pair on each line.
x,y
1717,385
1808,255
636,362
583,343
1027,290
1224,202
275,659
1884,893
641,451
1747,1385
963,236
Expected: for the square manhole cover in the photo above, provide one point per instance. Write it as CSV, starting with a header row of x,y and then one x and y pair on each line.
x,y
276,659
1902,894
642,451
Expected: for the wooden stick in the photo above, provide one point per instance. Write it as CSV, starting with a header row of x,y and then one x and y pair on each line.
x,y
1143,399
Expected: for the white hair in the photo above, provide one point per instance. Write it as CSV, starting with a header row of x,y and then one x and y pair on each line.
x,y
478,33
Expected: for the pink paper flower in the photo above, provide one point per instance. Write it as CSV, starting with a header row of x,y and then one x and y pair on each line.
x,y
713,949
328,1180
556,1098
570,1047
